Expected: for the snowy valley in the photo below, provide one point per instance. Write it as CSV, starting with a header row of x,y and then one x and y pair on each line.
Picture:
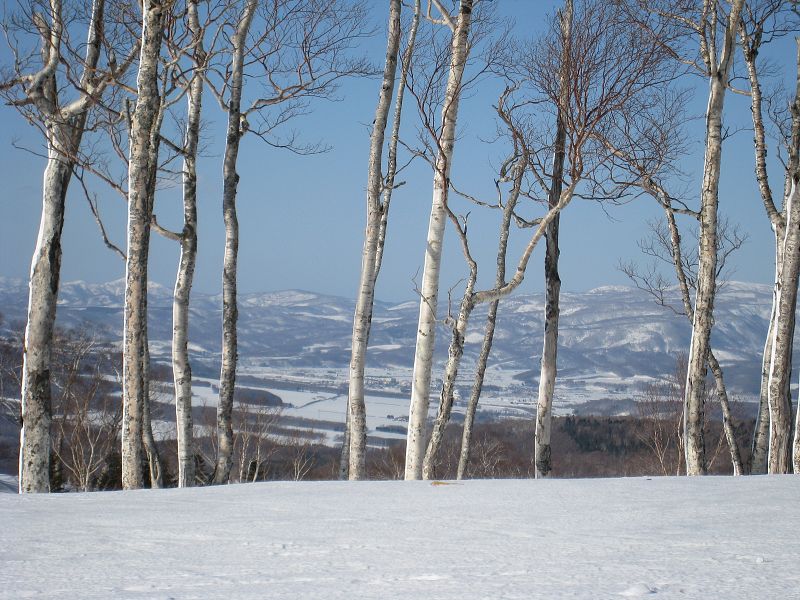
x,y
294,344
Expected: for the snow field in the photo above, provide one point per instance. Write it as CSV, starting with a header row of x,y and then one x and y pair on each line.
x,y
715,538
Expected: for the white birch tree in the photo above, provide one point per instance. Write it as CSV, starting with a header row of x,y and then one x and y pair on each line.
x,y
717,39
610,66
37,88
379,194
190,44
549,367
781,455
773,422
142,166
429,290
298,50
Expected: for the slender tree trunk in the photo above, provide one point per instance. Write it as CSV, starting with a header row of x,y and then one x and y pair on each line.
x,y
780,371
760,446
65,127
362,319
727,418
429,294
760,443
181,367
34,458
552,281
694,410
547,374
148,440
230,311
143,139
781,456
716,369
455,352
344,459
477,386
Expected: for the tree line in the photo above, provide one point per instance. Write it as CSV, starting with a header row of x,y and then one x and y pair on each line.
x,y
593,107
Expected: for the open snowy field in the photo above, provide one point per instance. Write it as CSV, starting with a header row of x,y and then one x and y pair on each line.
x,y
702,538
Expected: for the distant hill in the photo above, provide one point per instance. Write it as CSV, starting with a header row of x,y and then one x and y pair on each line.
x,y
614,334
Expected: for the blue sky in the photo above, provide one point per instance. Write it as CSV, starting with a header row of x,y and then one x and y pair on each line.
x,y
301,217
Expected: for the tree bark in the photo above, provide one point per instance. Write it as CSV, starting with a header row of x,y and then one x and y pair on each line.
x,y
750,46
148,440
34,466
143,143
780,368
64,132
694,410
716,369
362,319
760,445
477,386
552,281
181,367
429,293
547,374
230,312
781,456
727,417
455,352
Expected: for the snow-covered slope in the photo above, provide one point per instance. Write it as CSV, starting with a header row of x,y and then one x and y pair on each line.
x,y
614,333
698,538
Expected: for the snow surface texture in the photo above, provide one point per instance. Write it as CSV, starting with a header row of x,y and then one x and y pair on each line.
x,y
702,538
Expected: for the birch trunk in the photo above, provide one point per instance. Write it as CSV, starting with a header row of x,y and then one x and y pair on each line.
x,y
727,418
780,368
362,318
694,410
547,375
181,367
34,465
230,312
143,141
64,131
780,405
455,352
760,444
429,294
456,349
477,386
148,440
552,281
716,369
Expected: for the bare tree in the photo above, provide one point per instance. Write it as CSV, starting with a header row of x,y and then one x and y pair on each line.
x,y
252,443
182,369
145,127
552,281
50,95
660,412
429,292
190,44
643,148
516,174
86,415
299,51
666,246
606,77
760,23
379,195
715,31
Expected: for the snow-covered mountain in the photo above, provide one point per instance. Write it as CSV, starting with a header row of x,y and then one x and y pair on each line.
x,y
614,334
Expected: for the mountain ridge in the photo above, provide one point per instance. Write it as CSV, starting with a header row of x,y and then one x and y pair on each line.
x,y
610,332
